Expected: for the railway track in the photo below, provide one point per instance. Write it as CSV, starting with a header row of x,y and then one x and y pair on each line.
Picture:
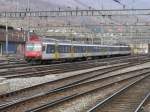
x,y
127,99
22,64
104,61
74,78
14,65
40,71
60,68
142,106
103,84
63,90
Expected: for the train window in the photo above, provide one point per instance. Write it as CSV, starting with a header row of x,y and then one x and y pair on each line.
x,y
116,48
43,48
72,49
91,48
125,48
60,48
33,47
102,49
122,49
88,49
75,49
50,49
68,49
94,49
79,49
97,49
64,48
84,49
113,49
30,47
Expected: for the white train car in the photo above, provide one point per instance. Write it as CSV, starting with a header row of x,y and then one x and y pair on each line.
x,y
44,49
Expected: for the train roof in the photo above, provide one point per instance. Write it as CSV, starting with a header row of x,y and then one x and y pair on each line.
x,y
45,40
83,44
75,43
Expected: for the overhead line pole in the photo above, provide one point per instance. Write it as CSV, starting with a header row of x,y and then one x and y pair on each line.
x,y
63,13
28,12
6,33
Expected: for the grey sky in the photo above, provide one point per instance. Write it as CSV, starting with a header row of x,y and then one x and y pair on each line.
x,y
97,4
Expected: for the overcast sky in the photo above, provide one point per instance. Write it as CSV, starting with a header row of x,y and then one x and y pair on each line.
x,y
97,4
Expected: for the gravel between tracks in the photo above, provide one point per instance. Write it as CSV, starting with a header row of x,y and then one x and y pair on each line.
x,y
52,97
82,103
20,83
146,108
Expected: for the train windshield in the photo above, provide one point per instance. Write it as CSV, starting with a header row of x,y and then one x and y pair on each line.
x,y
33,47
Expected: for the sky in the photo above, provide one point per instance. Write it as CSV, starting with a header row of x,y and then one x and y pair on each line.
x,y
99,3
13,5
83,4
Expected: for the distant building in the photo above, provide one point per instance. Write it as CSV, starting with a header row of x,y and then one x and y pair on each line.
x,y
16,40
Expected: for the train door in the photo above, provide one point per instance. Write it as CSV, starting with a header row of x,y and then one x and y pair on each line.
x,y
56,52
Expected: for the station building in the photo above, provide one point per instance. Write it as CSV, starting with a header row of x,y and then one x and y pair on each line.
x,y
16,41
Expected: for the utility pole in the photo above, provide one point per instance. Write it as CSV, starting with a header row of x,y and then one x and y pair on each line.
x,y
6,32
28,11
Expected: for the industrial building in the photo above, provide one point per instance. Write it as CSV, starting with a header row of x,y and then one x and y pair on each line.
x,y
16,41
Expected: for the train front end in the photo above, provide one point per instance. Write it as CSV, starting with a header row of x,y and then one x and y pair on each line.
x,y
33,50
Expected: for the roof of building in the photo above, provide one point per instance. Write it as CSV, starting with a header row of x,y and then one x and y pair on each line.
x,y
13,35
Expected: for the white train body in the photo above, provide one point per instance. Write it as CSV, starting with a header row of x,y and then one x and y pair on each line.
x,y
44,49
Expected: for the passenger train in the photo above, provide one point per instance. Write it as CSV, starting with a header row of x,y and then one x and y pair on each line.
x,y
38,49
